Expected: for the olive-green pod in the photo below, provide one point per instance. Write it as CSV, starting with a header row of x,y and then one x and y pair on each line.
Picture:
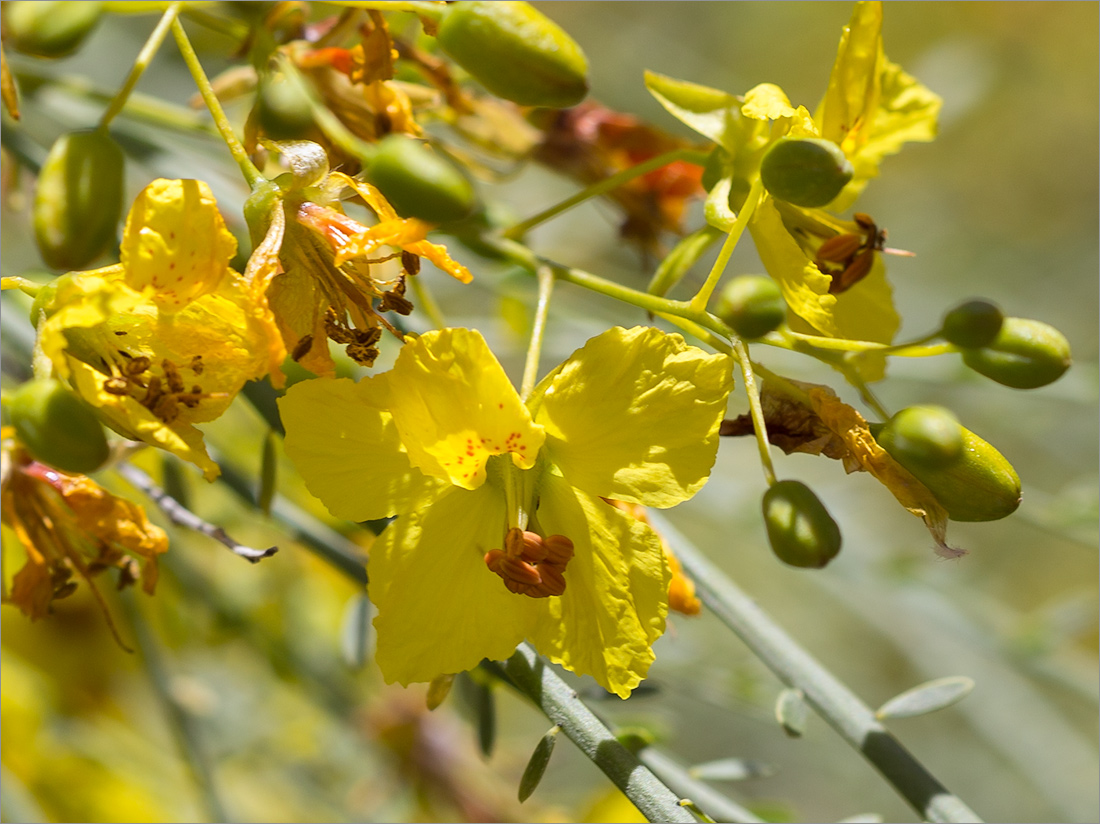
x,y
515,52
418,182
801,531
807,172
752,305
79,197
972,324
929,436
1026,354
49,28
57,427
979,485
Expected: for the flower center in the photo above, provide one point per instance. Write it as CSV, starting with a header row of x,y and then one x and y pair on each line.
x,y
160,394
530,564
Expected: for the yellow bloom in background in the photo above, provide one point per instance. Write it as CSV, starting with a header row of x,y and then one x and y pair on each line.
x,y
66,525
503,534
870,109
328,276
169,336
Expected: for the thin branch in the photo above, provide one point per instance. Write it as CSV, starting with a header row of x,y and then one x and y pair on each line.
x,y
831,699
180,515
560,703
709,800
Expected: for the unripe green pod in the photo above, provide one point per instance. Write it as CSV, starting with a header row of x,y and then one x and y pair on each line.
x,y
78,199
806,172
972,324
48,28
515,52
928,436
753,305
57,427
418,182
283,107
1025,354
979,485
801,531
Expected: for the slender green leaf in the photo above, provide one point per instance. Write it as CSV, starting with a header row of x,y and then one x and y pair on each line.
x,y
683,256
927,697
536,767
269,474
731,769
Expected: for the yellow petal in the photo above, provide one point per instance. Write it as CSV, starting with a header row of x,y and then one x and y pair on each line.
x,y
440,609
910,493
175,242
616,594
854,84
767,102
355,463
455,407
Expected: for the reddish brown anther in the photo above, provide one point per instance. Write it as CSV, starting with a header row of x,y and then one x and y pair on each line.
x,y
530,564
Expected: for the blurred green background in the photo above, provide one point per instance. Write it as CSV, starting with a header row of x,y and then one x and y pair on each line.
x,y
278,724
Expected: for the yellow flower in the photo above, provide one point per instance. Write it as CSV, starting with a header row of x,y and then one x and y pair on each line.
x,y
65,524
330,276
167,338
870,109
490,488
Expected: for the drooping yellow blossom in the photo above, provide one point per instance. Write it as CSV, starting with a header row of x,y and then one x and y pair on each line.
x,y
330,276
870,109
166,338
65,525
503,533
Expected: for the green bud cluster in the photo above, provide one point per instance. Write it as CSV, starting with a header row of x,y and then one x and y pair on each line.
x,y
801,531
47,28
752,305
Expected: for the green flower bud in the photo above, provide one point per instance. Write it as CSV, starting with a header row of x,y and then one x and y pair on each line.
x,y
418,182
928,436
43,301
57,427
1025,354
283,107
979,485
78,200
49,29
972,324
808,172
753,305
258,207
515,52
801,531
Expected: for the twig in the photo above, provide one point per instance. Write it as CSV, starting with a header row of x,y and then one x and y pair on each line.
x,y
180,515
560,703
713,803
831,699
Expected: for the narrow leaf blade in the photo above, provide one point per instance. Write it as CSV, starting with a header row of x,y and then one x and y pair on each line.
x,y
927,697
791,712
536,767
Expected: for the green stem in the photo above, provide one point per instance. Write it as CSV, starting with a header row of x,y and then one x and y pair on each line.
x,y
426,302
144,58
534,349
710,801
702,297
561,705
760,427
797,341
597,189
250,172
831,699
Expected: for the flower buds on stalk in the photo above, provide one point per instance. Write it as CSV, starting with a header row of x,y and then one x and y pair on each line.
x,y
515,52
808,172
418,182
753,305
972,324
978,484
1025,354
56,427
801,531
78,200
49,29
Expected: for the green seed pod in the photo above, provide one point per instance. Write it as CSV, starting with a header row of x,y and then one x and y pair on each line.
x,y
753,305
1025,354
972,324
57,427
48,29
515,52
928,436
979,485
283,107
801,531
78,199
809,172
418,182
